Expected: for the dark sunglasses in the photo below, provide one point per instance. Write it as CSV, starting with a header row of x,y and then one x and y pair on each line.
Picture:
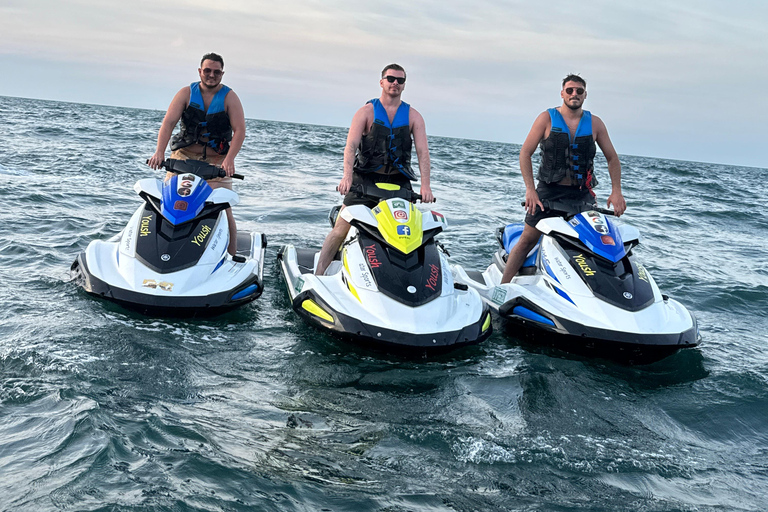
x,y
214,72
391,79
579,90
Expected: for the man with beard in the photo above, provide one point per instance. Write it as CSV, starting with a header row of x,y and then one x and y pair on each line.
x,y
212,128
567,135
378,150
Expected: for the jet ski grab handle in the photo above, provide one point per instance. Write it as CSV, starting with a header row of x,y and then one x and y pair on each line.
x,y
555,207
375,192
202,169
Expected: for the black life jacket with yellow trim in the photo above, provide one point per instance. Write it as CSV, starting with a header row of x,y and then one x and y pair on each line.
x,y
210,128
563,157
387,147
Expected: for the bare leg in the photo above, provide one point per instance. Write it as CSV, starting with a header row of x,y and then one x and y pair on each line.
x,y
232,247
331,245
519,252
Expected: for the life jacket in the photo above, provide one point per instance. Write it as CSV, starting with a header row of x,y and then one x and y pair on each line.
x,y
563,157
388,145
210,128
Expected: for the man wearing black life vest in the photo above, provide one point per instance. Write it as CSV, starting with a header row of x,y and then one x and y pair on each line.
x,y
212,128
567,135
379,150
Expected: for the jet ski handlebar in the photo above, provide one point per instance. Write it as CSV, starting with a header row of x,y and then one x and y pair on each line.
x,y
572,210
364,190
202,169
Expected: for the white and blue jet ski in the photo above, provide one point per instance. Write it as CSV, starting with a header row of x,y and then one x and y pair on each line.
x,y
581,289
171,258
390,286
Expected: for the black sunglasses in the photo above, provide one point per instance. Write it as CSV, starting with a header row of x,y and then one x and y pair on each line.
x,y
579,90
214,72
391,79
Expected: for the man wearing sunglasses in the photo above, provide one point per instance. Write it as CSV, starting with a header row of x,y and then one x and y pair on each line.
x,y
567,135
378,150
212,128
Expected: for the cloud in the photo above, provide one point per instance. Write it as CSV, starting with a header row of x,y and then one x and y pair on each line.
x,y
481,71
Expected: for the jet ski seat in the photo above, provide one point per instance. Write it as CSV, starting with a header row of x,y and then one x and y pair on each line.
x,y
306,260
244,243
510,237
476,276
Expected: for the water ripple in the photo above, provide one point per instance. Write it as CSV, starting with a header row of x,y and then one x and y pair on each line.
x,y
105,409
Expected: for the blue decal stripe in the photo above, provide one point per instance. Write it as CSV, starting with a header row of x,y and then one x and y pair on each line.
x,y
246,292
530,315
549,271
564,295
218,266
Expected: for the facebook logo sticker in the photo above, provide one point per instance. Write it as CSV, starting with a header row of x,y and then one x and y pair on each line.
x,y
403,230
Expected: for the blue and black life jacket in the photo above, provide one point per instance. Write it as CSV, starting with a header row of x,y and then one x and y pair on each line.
x,y
563,157
210,128
387,147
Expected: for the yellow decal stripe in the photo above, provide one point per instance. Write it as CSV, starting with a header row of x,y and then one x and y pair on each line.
x,y
487,322
344,259
316,310
354,292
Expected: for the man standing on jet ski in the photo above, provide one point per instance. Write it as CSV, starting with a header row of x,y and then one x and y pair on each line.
x,y
567,135
378,150
212,128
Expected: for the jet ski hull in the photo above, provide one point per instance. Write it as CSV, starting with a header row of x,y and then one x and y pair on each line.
x,y
183,307
152,296
534,325
585,293
371,319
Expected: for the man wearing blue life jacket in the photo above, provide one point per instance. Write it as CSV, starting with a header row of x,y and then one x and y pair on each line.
x,y
212,128
567,135
379,150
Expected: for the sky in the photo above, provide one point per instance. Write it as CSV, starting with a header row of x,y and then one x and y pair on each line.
x,y
681,80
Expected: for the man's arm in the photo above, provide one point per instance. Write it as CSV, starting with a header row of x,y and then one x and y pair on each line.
x,y
234,110
614,166
419,132
172,116
363,117
537,132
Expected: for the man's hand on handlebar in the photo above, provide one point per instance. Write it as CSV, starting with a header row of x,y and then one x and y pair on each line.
x,y
426,194
344,185
229,166
156,160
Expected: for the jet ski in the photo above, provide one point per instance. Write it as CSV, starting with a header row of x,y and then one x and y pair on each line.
x,y
581,289
390,285
172,259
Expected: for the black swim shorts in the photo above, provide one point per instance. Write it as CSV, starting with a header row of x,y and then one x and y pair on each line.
x,y
582,199
352,198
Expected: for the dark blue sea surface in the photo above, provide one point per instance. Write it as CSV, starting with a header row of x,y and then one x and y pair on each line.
x,y
103,409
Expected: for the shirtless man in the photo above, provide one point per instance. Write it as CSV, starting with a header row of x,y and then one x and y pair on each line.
x,y
212,128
